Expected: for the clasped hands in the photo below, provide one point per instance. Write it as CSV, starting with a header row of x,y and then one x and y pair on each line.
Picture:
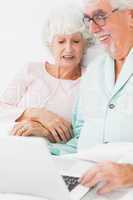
x,y
43,123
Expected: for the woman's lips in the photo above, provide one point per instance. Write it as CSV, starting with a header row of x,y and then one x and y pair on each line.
x,y
68,57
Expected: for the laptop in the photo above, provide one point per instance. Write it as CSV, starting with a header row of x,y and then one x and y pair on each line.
x,y
26,167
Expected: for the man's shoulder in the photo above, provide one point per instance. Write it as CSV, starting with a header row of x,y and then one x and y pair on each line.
x,y
97,61
95,65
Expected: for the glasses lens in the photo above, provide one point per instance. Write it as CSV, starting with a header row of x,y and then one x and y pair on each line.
x,y
86,21
99,20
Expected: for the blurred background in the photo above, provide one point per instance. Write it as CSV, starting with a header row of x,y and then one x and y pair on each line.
x,y
21,28
21,35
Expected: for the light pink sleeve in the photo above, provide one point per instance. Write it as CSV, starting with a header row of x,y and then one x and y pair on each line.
x,y
9,111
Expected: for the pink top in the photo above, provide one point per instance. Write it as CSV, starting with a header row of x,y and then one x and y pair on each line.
x,y
35,87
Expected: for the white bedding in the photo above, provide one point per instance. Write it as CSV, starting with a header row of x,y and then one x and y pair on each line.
x,y
19,197
122,195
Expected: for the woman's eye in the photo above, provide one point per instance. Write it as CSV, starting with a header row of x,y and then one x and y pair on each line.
x,y
61,41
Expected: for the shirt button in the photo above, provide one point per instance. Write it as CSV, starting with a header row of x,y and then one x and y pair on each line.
x,y
106,142
111,106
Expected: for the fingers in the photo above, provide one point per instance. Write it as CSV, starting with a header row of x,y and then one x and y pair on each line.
x,y
48,135
61,133
55,135
19,132
60,130
33,128
36,130
27,128
50,138
96,179
111,175
67,132
108,187
18,129
27,133
69,128
63,128
15,129
90,177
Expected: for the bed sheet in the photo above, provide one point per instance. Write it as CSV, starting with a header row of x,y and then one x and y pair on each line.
x,y
4,196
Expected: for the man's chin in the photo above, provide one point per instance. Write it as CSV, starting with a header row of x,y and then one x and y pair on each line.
x,y
106,42
110,47
105,46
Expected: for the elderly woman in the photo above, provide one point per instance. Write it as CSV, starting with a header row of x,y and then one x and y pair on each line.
x,y
41,97
109,86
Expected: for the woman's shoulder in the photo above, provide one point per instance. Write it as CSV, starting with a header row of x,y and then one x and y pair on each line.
x,y
35,69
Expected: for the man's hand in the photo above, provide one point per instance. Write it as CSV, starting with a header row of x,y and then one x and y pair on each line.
x,y
112,175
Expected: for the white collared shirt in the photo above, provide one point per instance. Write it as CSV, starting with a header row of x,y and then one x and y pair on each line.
x,y
104,112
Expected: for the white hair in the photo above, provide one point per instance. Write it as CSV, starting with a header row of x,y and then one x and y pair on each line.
x,y
121,4
65,20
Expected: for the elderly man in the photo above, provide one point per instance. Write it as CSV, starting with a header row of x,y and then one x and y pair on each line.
x,y
104,112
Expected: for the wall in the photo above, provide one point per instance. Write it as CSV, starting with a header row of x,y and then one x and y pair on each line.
x,y
21,25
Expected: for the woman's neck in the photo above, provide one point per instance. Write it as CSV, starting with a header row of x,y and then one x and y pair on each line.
x,y
63,73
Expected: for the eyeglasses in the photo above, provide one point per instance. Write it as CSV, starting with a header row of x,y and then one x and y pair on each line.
x,y
99,18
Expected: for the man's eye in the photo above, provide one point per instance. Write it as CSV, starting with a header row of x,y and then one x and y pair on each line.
x,y
100,17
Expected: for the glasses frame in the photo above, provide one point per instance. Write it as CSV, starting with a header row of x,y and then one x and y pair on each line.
x,y
89,19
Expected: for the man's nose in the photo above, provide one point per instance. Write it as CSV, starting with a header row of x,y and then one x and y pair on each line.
x,y
94,28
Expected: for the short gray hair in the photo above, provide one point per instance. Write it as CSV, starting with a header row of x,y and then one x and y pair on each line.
x,y
121,4
65,20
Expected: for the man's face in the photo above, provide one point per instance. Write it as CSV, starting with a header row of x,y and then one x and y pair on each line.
x,y
114,30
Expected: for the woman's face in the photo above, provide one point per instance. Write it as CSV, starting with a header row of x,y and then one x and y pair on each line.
x,y
68,49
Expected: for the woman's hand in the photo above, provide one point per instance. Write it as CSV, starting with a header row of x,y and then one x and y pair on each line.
x,y
31,128
112,175
59,128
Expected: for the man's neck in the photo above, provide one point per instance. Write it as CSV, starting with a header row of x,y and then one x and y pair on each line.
x,y
118,67
120,59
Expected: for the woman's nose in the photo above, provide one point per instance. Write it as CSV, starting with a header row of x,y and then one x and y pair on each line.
x,y
68,47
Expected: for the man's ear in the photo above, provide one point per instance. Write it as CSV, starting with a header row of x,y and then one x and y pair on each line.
x,y
130,13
